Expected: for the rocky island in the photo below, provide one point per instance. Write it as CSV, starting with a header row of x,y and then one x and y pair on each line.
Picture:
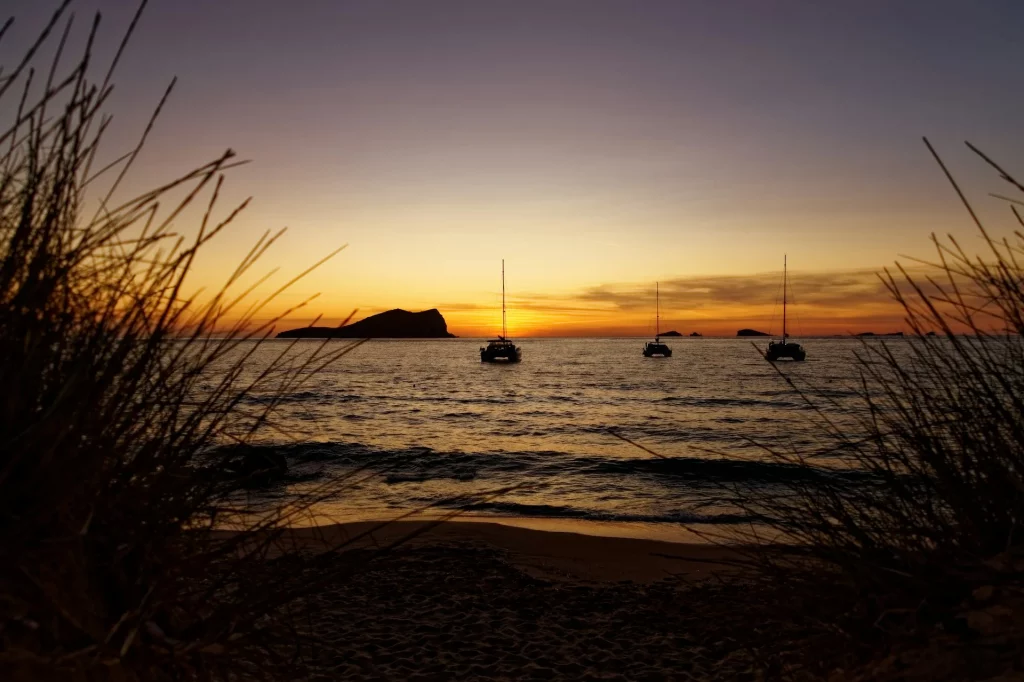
x,y
751,332
672,333
392,324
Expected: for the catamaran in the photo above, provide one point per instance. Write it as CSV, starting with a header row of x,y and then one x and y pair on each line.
x,y
783,349
501,349
656,348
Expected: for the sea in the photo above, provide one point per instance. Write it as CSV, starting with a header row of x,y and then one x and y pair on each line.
x,y
584,434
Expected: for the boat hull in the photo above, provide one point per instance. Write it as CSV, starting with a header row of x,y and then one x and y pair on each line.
x,y
657,350
501,350
501,356
785,351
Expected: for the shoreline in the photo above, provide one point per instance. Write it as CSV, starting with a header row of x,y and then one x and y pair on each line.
x,y
672,532
549,554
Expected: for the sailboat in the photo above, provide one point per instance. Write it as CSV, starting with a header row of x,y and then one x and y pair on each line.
x,y
656,348
784,349
501,349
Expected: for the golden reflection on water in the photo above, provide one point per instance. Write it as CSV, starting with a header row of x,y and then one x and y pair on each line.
x,y
435,427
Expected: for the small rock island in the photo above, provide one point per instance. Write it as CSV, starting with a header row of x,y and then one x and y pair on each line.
x,y
392,324
751,332
671,333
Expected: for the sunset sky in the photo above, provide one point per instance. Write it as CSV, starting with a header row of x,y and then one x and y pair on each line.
x,y
597,146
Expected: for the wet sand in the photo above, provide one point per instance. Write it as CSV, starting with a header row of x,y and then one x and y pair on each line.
x,y
540,553
485,601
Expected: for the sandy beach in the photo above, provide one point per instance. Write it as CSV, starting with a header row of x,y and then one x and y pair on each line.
x,y
469,600
547,554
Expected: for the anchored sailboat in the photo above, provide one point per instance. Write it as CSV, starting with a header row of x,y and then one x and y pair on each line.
x,y
656,348
783,349
501,349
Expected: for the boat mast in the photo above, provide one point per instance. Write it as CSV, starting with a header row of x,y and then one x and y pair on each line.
x,y
657,313
783,298
504,330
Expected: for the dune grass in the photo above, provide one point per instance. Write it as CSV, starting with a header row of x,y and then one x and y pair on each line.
x,y
930,547
119,390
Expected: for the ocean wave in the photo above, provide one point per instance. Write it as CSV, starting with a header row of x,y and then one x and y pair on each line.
x,y
421,464
307,396
461,401
564,512
545,484
725,470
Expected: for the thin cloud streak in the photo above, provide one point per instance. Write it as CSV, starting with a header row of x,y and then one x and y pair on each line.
x,y
822,303
832,289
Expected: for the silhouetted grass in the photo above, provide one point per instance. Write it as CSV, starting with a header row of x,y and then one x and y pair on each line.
x,y
930,547
118,390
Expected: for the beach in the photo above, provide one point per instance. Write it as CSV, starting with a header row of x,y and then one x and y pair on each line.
x,y
468,600
544,554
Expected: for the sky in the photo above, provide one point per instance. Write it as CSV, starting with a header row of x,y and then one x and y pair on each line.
x,y
597,146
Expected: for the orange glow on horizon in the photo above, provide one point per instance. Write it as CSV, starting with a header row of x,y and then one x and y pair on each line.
x,y
821,304
539,324
833,303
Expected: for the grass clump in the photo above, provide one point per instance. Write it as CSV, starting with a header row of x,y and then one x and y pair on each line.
x,y
117,390
919,567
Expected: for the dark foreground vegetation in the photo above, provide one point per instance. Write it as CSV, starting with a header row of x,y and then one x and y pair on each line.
x,y
114,396
918,569
117,397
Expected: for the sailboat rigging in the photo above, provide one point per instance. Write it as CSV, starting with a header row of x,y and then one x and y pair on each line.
x,y
656,348
784,349
501,349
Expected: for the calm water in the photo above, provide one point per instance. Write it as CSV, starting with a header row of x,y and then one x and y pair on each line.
x,y
431,423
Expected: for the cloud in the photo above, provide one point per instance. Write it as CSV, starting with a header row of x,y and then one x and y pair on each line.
x,y
463,307
702,294
834,302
